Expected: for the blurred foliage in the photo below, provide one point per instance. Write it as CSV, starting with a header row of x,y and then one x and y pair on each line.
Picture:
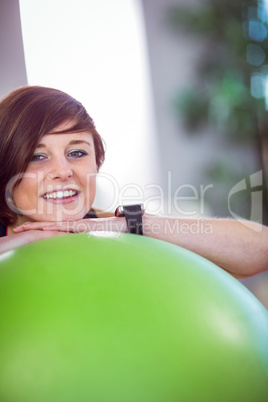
x,y
231,75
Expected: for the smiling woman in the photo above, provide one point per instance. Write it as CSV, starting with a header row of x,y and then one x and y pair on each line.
x,y
60,180
49,138
50,155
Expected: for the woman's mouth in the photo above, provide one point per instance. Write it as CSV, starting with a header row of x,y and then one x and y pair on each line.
x,y
62,196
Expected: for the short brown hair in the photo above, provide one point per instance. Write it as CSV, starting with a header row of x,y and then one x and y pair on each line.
x,y
27,114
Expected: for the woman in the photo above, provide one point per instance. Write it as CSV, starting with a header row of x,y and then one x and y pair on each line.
x,y
50,155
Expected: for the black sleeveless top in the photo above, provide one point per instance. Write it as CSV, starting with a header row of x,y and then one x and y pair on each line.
x,y
3,230
91,214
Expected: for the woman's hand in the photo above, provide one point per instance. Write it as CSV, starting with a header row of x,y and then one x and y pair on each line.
x,y
112,224
8,243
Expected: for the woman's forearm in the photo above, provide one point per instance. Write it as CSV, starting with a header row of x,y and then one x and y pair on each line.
x,y
12,242
240,249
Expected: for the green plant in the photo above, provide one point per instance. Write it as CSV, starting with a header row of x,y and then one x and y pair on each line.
x,y
231,74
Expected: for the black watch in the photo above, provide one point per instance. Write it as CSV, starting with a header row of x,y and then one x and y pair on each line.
x,y
133,215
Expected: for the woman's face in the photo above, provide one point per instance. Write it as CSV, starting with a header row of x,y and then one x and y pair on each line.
x,y
60,181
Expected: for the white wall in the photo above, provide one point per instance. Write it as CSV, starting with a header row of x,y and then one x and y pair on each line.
x,y
12,64
95,51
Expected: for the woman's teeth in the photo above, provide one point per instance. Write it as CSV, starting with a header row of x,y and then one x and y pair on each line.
x,y
60,194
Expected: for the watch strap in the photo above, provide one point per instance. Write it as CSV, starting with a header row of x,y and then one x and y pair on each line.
x,y
133,214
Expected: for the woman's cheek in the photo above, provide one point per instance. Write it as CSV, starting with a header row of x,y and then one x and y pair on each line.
x,y
25,197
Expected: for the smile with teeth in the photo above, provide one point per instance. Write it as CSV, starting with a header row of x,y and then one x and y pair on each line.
x,y
60,194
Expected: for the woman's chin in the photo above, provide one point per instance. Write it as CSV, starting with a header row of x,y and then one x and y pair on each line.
x,y
60,217
59,213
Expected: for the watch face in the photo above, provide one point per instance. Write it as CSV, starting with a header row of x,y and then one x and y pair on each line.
x,y
120,209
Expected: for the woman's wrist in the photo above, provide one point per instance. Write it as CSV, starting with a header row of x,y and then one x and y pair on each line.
x,y
117,224
152,226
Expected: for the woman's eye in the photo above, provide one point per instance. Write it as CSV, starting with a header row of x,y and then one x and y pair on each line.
x,y
77,153
38,157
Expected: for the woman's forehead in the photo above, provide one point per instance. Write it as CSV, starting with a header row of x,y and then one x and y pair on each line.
x,y
66,125
58,138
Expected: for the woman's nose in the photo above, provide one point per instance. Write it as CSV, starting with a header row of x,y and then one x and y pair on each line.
x,y
60,169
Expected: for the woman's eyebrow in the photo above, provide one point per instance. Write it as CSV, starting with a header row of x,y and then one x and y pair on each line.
x,y
73,142
40,146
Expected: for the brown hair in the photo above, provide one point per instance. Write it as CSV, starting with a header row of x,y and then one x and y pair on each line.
x,y
27,114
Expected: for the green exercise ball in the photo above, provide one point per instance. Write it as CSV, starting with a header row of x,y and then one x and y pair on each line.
x,y
108,318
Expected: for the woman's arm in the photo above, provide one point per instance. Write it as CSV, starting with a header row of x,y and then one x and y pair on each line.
x,y
239,247
8,243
